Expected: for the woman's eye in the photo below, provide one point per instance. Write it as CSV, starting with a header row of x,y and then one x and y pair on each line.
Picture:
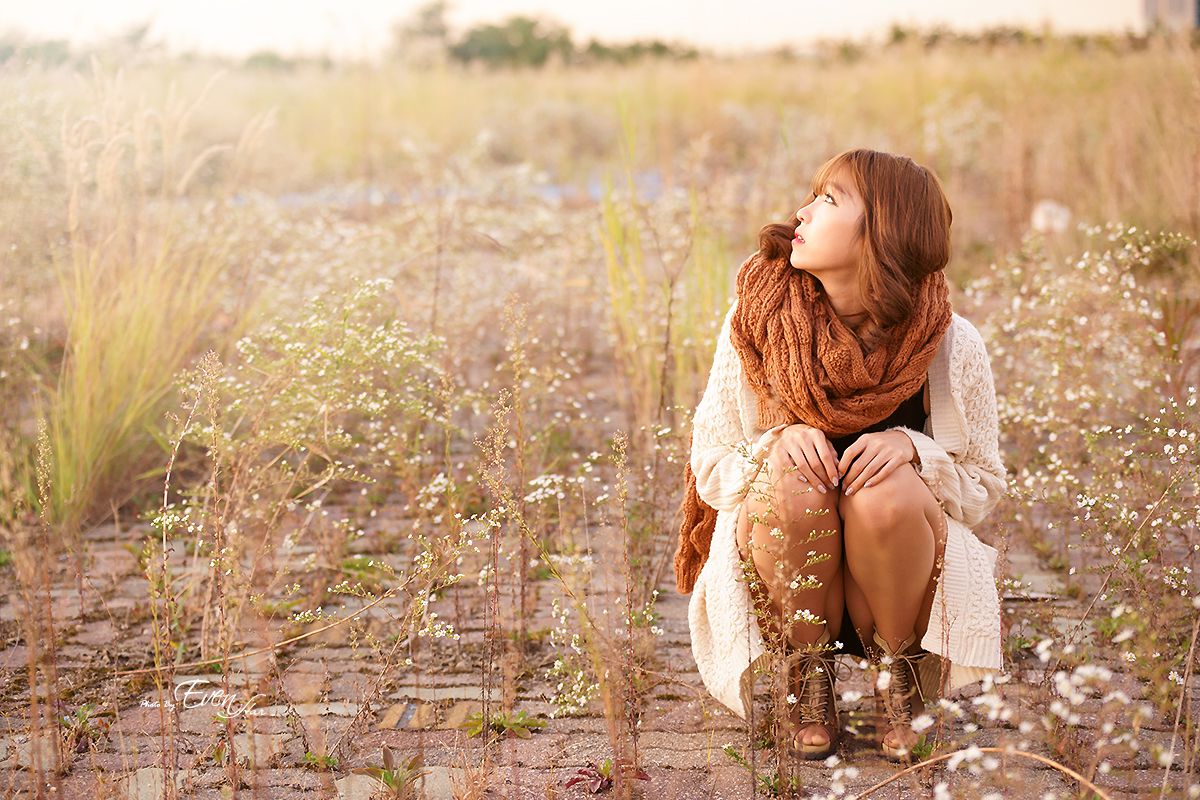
x,y
827,194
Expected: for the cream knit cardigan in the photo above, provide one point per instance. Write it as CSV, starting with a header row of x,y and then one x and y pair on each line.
x,y
960,462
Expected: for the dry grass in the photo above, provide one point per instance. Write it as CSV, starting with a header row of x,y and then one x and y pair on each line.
x,y
355,360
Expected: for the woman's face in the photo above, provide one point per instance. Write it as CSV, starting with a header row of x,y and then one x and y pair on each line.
x,y
824,241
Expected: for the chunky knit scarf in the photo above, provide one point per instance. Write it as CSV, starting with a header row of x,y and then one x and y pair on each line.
x,y
805,365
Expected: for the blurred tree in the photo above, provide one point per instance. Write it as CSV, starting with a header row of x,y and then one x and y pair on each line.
x,y
518,41
898,34
422,38
636,50
46,52
268,60
134,37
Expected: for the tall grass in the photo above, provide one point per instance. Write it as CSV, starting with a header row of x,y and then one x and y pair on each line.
x,y
324,486
1001,125
141,284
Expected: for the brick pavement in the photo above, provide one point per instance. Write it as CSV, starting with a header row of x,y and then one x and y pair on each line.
x,y
319,688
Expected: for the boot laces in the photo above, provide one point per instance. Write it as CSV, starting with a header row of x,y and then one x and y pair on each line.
x,y
898,695
819,683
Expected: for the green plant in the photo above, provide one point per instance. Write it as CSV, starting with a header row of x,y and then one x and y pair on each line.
x,y
276,608
320,763
1017,644
923,749
599,777
399,778
368,571
771,782
141,278
518,724
86,725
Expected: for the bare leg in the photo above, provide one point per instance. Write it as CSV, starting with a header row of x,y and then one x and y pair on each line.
x,y
856,605
894,541
793,534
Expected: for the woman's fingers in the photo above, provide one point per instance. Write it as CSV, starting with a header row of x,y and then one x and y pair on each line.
x,y
810,467
829,461
822,458
858,470
870,473
812,454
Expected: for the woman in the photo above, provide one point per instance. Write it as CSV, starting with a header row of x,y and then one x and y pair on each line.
x,y
845,444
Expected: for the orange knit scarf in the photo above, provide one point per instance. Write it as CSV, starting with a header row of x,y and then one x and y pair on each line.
x,y
805,365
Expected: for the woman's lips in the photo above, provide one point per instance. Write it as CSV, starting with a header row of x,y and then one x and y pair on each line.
x,y
797,239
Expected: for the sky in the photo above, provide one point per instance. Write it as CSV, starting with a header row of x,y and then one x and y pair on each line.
x,y
361,28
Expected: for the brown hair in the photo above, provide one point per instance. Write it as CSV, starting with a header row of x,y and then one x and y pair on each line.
x,y
904,232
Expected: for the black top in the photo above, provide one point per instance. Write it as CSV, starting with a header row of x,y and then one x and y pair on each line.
x,y
910,414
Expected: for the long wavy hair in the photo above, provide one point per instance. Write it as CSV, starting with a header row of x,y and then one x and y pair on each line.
x,y
904,232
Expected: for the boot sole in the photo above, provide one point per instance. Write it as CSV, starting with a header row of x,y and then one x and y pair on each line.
x,y
882,727
811,752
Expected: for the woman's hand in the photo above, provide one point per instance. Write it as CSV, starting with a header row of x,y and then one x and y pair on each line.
x,y
872,457
808,449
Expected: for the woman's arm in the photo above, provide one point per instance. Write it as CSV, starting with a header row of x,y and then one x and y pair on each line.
x,y
723,460
970,486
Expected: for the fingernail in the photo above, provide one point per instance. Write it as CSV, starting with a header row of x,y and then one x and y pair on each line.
x,y
821,487
850,491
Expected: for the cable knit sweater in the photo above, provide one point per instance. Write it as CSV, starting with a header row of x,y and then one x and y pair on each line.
x,y
960,463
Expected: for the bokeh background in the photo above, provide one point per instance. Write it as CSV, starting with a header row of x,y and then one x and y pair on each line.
x,y
370,333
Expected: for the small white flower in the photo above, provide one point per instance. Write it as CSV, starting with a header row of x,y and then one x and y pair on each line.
x,y
792,699
1124,635
1049,216
921,723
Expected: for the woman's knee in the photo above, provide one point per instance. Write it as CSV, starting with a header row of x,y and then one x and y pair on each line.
x,y
894,501
781,492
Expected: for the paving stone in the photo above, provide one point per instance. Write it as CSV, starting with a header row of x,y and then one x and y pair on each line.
x,y
98,634
432,693
352,686
14,658
357,787
292,778
110,563
439,782
20,751
409,715
679,742
310,710
424,715
260,749
392,715
143,752
304,687
149,783
458,713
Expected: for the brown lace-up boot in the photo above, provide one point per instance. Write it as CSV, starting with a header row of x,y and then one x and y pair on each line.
x,y
809,671
901,697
